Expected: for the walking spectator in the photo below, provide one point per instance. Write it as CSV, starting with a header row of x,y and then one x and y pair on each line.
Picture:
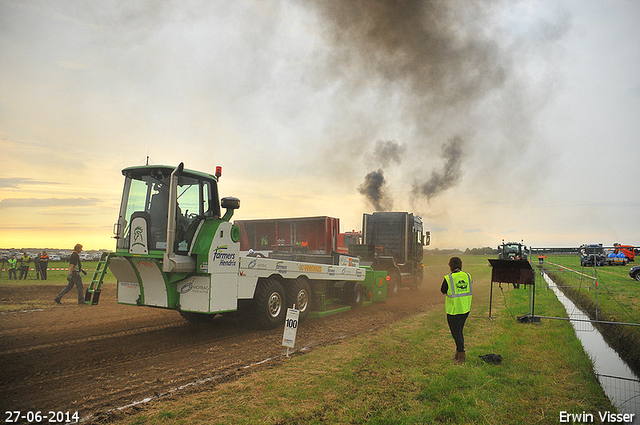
x,y
13,266
74,278
24,265
44,263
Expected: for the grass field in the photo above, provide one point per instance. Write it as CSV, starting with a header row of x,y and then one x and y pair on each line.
x,y
404,374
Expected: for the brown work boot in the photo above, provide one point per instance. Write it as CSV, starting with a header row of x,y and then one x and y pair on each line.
x,y
462,357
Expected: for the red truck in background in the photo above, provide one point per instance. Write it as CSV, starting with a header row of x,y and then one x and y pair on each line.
x,y
348,238
627,250
312,235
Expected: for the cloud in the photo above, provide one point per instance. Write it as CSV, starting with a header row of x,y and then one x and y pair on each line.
x,y
473,231
16,182
72,65
47,202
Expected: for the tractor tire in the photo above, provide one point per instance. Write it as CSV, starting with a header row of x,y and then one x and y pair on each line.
x,y
270,303
298,292
353,294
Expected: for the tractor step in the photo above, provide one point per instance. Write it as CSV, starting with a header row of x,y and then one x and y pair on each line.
x,y
93,291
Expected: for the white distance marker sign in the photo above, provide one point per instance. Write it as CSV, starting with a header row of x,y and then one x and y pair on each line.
x,y
290,328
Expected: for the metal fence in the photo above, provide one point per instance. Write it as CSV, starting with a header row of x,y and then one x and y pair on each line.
x,y
623,392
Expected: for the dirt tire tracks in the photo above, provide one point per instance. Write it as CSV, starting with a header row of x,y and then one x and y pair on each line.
x,y
95,359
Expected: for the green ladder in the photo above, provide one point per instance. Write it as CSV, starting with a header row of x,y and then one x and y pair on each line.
x,y
93,291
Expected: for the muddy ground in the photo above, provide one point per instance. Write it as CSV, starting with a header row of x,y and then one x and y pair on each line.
x,y
97,359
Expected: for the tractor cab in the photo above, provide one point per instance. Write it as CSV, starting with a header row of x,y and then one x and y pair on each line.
x,y
148,221
512,251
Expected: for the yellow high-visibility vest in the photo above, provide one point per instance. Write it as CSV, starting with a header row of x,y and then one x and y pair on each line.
x,y
459,293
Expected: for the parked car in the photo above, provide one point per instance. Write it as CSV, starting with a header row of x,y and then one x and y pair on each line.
x,y
635,273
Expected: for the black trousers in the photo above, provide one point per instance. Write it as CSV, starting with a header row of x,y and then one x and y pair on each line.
x,y
76,281
456,325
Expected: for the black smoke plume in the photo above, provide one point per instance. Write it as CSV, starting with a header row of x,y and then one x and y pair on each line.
x,y
449,176
388,151
436,67
374,189
438,51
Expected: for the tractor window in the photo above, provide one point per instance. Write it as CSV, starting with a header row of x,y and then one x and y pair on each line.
x,y
138,198
188,212
157,209
194,204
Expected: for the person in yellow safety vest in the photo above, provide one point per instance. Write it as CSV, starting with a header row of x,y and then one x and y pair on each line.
x,y
24,265
457,288
13,266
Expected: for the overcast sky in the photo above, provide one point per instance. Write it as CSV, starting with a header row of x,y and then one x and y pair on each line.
x,y
490,119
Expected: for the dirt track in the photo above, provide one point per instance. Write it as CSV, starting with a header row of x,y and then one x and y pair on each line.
x,y
93,359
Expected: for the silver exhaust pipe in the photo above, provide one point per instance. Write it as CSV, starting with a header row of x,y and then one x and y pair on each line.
x,y
169,264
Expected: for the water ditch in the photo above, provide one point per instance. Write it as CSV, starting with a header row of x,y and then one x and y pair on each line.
x,y
618,381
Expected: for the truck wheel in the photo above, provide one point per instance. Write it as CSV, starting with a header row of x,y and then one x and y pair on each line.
x,y
417,282
393,284
299,293
270,302
352,294
416,287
